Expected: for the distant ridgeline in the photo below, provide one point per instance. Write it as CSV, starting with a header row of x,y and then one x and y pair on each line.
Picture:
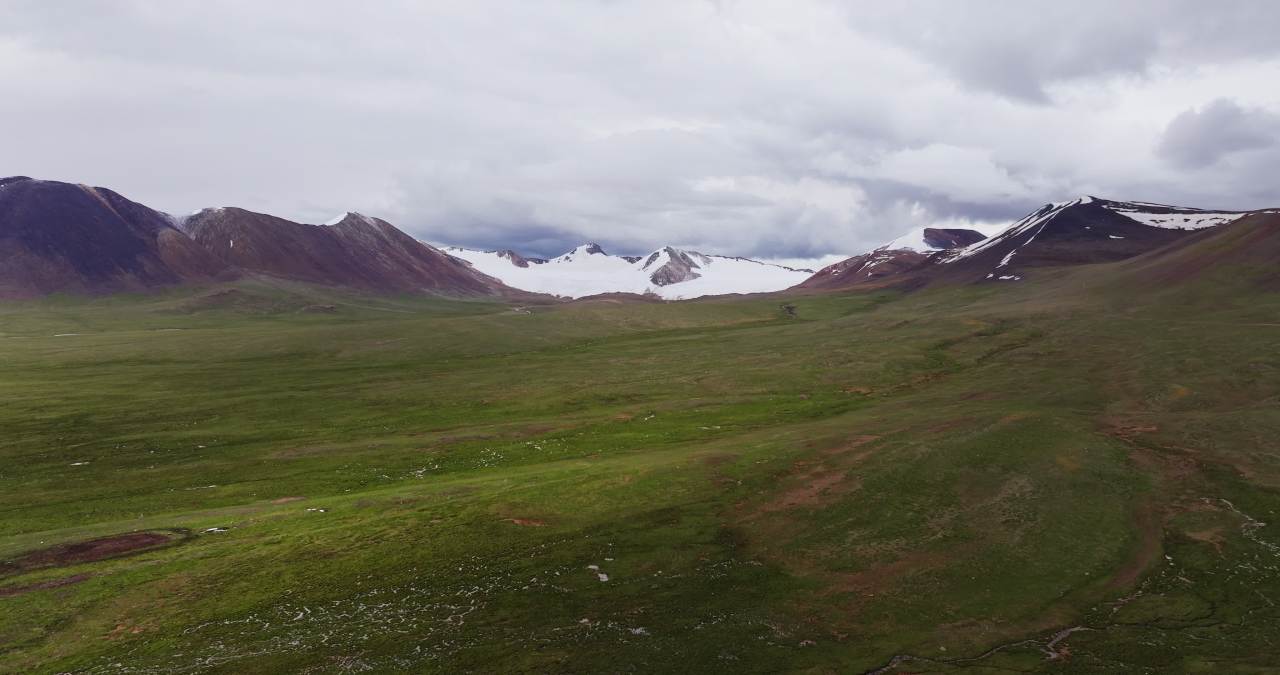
x,y
64,237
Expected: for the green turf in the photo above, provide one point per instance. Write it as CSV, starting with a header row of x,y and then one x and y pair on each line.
x,y
410,484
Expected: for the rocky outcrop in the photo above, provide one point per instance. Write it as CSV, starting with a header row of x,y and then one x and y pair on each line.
x,y
672,266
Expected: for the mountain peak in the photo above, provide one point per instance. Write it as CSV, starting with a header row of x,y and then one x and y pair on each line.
x,y
67,237
930,239
351,218
671,265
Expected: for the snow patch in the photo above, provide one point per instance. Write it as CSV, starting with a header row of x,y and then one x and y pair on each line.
x,y
911,241
589,270
1176,218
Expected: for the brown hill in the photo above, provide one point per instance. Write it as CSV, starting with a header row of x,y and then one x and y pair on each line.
x,y
893,263
357,251
63,237
876,269
1241,255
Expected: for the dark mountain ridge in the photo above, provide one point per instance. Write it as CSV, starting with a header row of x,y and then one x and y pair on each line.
x,y
357,251
1076,232
64,237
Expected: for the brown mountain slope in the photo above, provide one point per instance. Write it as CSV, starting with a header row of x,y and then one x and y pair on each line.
x,y
1078,232
357,251
1241,255
891,264
877,269
63,237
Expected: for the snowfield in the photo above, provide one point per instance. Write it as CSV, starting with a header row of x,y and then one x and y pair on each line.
x,y
1176,217
588,270
911,241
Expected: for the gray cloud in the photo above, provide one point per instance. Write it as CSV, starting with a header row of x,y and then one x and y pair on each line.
x,y
768,129
1023,49
1200,137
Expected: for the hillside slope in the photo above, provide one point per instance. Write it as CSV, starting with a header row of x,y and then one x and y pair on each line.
x,y
1072,474
355,251
889,265
1079,231
1243,256
63,237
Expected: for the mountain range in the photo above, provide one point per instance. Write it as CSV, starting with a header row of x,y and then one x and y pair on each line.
x,y
1076,232
65,237
669,273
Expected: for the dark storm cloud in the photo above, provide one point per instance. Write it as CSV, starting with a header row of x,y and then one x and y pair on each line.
x,y
1200,137
768,129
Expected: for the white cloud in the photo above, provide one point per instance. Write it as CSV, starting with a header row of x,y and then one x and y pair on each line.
x,y
794,130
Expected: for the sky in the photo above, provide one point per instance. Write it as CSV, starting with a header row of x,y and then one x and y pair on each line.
x,y
792,130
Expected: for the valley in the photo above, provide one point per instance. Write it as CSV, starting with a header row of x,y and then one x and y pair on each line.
x,y
1074,474
825,338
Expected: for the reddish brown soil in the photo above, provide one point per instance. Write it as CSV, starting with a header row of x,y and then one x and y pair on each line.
x,y
1150,524
528,522
823,481
952,425
817,488
90,551
1173,468
869,270
880,577
43,585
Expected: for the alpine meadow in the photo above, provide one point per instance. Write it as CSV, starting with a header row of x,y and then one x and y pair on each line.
x,y
739,434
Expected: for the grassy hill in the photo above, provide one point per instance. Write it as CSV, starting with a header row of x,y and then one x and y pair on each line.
x,y
1069,475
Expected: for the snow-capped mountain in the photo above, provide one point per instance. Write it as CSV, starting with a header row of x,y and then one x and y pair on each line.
x,y
1079,231
670,273
894,258
930,239
1082,230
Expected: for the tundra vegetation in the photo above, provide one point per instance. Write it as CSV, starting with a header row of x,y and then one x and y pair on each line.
x,y
1077,474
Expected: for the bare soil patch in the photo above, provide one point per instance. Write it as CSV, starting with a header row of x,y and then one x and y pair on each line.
x,y
818,487
1150,523
9,591
91,550
823,480
853,444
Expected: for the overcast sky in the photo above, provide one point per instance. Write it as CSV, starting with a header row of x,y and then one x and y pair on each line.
x,y
773,129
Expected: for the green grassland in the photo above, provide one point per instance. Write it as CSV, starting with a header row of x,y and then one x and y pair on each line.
x,y
945,480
